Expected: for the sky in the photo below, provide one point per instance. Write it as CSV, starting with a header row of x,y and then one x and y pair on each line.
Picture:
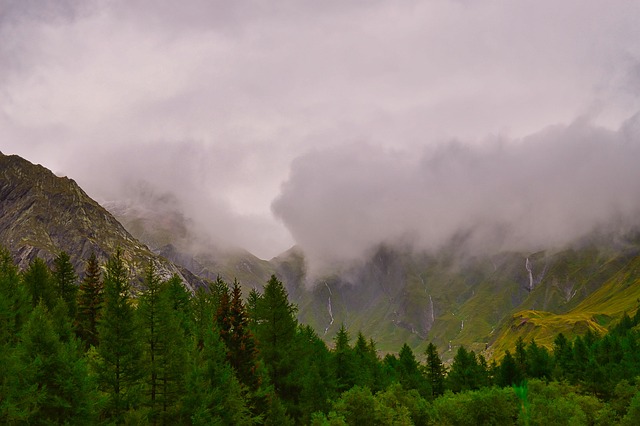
x,y
336,125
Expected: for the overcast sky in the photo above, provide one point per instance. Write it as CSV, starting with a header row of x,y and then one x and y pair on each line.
x,y
336,124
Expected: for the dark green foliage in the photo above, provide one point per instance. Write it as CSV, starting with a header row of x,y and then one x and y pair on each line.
x,y
37,278
487,406
119,363
15,302
312,376
562,356
409,372
539,362
179,300
90,301
231,319
54,382
357,406
275,330
164,344
203,315
435,371
509,373
213,394
65,282
170,358
466,372
343,361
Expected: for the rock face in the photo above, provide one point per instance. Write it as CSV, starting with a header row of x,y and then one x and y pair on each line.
x,y
42,214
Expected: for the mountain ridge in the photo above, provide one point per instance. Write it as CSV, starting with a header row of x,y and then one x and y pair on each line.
x,y
394,295
42,214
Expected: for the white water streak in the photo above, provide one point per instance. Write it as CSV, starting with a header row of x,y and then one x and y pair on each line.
x,y
329,308
527,265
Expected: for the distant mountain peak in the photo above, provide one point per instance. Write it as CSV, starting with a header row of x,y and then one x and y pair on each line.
x,y
42,214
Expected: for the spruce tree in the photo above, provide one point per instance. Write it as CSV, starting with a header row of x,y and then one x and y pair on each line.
x,y
37,278
343,361
65,282
275,331
409,372
15,302
435,371
60,390
213,394
179,300
119,363
241,346
164,349
90,301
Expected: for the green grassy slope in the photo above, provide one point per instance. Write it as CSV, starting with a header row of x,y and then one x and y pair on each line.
x,y
619,294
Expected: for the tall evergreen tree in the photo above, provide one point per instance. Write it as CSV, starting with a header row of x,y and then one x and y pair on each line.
x,y
343,360
409,372
520,356
119,363
509,373
562,357
463,375
60,388
539,362
241,345
90,301
65,282
164,349
213,394
435,371
149,312
15,302
38,281
180,302
275,330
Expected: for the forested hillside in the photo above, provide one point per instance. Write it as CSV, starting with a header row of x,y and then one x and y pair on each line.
x,y
84,351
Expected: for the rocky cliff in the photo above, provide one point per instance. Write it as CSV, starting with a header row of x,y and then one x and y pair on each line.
x,y
42,214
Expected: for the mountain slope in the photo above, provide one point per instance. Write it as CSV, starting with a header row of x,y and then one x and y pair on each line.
x,y
615,285
42,214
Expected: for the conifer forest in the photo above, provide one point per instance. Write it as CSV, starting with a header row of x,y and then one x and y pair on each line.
x,y
96,350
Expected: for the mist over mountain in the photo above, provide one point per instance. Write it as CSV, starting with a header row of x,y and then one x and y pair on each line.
x,y
544,191
42,215
218,104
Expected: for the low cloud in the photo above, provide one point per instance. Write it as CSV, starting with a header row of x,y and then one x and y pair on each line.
x,y
543,191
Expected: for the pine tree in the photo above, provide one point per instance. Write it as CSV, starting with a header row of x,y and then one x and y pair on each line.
x,y
435,371
65,282
241,346
15,302
59,387
203,315
232,323
539,362
462,375
520,356
180,302
409,372
119,364
90,302
275,330
164,349
344,362
366,363
562,357
213,394
149,314
509,373
38,281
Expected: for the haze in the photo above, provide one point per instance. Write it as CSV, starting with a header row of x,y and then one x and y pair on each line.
x,y
336,125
